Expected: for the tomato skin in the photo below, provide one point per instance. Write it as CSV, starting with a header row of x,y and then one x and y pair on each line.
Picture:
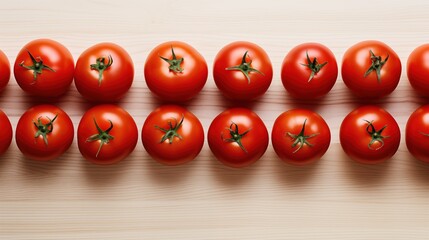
x,y
416,128
48,83
180,151
234,84
172,86
295,76
124,134
59,140
230,153
4,71
418,69
6,132
357,61
116,79
354,137
292,122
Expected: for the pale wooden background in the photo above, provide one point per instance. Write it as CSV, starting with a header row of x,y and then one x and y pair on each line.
x,y
139,199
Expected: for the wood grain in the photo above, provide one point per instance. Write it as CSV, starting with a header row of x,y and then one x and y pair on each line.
x,y
335,198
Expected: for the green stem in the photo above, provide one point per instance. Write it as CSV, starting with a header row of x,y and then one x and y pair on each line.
x,y
103,136
44,129
376,65
100,66
37,66
245,67
236,136
375,135
174,62
314,66
301,138
171,133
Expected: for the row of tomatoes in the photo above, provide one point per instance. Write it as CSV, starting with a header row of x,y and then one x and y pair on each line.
x,y
176,72
237,137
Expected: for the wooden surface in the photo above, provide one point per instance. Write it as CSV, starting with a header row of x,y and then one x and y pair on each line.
x,y
336,198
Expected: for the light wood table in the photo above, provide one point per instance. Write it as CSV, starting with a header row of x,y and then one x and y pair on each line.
x,y
336,198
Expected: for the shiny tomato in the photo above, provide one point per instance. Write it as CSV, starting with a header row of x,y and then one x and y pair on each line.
x,y
371,69
418,69
175,71
6,135
44,132
44,68
309,71
300,136
370,135
4,71
242,71
104,73
172,135
238,137
106,134
417,133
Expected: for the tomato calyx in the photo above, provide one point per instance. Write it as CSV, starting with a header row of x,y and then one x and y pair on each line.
x,y
245,68
235,136
44,129
314,66
103,136
376,65
100,65
37,66
375,135
174,62
301,138
171,133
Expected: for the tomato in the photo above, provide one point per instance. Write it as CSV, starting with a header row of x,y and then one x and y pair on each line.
x,y
418,69
238,137
4,71
175,71
106,134
172,135
104,73
6,135
309,71
371,69
242,71
44,68
300,136
44,132
417,133
370,135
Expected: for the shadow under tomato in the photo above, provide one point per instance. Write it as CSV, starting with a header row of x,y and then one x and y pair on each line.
x,y
169,175
365,174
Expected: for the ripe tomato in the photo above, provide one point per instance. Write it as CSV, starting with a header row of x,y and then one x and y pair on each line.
x,y
44,132
6,135
371,69
104,73
4,71
238,137
369,134
44,68
106,134
417,133
418,69
300,136
172,135
175,71
242,71
309,71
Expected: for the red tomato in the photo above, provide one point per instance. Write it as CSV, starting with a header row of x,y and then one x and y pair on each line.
x,y
238,137
104,73
370,135
6,135
106,134
44,132
418,69
175,71
4,71
300,136
242,71
172,135
309,71
417,133
371,69
44,68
